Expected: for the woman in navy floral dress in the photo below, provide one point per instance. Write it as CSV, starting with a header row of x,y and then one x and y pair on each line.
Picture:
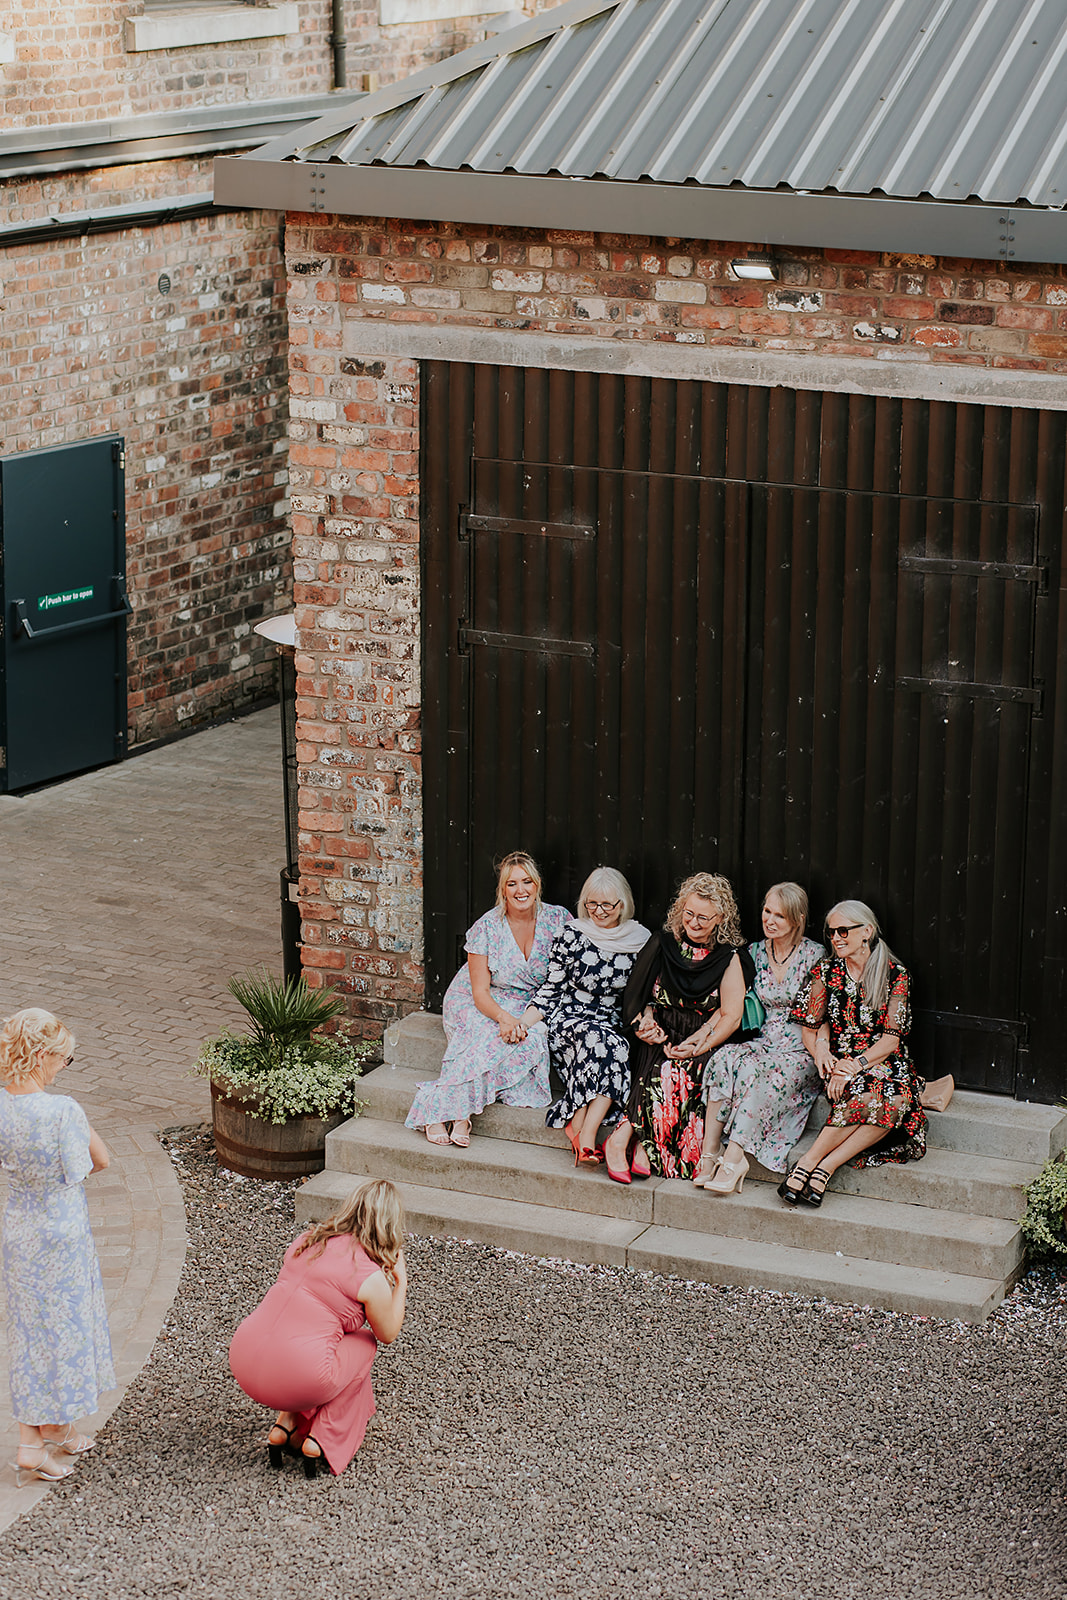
x,y
581,1002
855,1017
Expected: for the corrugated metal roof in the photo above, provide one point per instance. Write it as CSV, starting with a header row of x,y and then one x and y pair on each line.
x,y
955,99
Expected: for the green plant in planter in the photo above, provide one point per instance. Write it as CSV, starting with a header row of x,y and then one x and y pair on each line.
x,y
284,1067
1043,1223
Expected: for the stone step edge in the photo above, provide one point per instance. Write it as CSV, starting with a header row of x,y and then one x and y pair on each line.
x,y
898,1217
547,1232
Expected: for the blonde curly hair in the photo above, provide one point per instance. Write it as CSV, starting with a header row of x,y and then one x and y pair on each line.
x,y
28,1035
714,887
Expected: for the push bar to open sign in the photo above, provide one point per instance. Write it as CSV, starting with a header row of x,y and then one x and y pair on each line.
x,y
23,624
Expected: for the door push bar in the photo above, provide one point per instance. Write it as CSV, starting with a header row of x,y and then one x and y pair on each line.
x,y
23,624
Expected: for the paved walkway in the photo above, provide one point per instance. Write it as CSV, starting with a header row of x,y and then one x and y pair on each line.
x,y
127,898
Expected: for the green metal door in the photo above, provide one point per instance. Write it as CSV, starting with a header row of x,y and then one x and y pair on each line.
x,y
63,584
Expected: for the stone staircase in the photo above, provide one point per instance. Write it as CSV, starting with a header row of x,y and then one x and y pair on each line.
x,y
938,1237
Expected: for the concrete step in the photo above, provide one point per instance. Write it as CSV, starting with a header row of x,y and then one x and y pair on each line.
x,y
547,1230
975,1124
883,1230
535,1230
946,1179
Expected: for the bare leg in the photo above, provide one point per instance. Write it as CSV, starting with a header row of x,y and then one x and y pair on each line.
x,y
590,1118
712,1128
616,1147
848,1143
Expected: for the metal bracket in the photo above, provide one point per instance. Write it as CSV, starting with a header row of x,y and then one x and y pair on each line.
x,y
974,691
519,641
472,523
318,188
952,568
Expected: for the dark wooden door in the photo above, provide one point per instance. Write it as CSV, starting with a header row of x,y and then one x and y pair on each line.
x,y
638,652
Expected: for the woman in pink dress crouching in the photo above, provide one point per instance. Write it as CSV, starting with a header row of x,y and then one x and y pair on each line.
x,y
307,1348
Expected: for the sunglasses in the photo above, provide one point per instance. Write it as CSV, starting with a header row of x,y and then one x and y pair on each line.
x,y
844,930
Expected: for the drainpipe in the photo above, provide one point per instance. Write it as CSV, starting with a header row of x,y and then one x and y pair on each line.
x,y
337,39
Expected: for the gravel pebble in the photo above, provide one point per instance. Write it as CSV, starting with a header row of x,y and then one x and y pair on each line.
x,y
569,1431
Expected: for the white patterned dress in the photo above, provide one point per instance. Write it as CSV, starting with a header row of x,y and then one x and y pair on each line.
x,y
581,1001
768,1085
56,1320
479,1067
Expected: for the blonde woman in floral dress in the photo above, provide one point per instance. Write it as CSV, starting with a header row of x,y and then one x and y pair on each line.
x,y
758,1094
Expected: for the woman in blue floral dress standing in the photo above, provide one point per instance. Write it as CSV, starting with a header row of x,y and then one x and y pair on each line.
x,y
581,1002
57,1325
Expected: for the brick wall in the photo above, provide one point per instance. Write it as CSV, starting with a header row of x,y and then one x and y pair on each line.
x,y
354,464
72,64
194,380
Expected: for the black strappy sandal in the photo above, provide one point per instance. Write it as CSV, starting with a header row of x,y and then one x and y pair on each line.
x,y
312,1463
274,1451
791,1196
813,1197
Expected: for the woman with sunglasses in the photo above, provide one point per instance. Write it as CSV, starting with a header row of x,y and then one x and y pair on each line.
x,y
56,1322
580,1000
684,999
855,1016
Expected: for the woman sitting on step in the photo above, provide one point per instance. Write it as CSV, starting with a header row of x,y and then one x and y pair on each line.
x,y
758,1093
855,1016
581,1002
684,999
492,1054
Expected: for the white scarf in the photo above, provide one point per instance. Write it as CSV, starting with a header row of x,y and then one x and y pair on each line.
x,y
626,939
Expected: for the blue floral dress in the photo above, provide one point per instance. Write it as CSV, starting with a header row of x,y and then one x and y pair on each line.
x,y
768,1085
56,1321
581,1001
479,1067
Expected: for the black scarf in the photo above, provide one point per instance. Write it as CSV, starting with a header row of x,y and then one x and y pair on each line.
x,y
691,981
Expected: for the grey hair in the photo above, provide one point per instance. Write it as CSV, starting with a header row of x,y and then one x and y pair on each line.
x,y
875,979
608,881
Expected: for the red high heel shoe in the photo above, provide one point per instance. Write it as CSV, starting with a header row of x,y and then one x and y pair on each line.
x,y
640,1173
616,1177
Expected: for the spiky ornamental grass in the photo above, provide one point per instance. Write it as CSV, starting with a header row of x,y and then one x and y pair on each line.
x,y
1043,1223
283,1068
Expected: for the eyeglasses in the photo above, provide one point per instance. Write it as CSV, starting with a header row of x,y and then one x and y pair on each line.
x,y
696,921
602,905
844,930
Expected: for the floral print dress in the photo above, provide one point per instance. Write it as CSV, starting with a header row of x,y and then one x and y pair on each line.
x,y
885,1095
669,1119
479,1067
56,1320
580,1001
768,1085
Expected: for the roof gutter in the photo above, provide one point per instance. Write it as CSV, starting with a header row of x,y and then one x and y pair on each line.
x,y
112,219
1011,234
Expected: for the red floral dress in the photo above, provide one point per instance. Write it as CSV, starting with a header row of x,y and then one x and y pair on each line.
x,y
885,1095
669,1118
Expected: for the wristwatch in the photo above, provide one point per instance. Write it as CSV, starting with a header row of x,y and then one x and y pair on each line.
x,y
861,1061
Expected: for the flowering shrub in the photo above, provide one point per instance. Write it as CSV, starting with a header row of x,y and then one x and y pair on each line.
x,y
1046,1201
283,1068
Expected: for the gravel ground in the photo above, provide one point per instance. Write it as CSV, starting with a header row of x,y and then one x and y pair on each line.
x,y
569,1431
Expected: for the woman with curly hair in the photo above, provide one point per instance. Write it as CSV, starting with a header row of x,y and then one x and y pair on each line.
x,y
308,1347
56,1321
684,999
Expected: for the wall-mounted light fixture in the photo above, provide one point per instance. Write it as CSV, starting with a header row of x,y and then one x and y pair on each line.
x,y
757,264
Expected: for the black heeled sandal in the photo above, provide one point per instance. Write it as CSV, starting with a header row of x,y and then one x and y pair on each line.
x,y
274,1451
791,1196
813,1197
312,1463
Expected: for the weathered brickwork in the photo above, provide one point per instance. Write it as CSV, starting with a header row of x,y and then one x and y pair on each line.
x,y
194,381
72,64
355,490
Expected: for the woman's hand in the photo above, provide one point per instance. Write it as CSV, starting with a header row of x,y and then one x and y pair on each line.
x,y
695,1045
513,1030
839,1080
648,1029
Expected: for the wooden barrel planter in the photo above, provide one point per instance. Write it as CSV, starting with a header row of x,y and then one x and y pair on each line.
x,y
269,1151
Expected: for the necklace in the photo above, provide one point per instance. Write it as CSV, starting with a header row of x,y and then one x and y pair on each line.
x,y
781,961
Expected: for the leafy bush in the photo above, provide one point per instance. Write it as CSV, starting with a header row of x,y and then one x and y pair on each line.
x,y
282,1068
1043,1223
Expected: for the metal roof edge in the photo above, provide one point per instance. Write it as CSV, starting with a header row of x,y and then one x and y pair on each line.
x,y
441,72
1012,235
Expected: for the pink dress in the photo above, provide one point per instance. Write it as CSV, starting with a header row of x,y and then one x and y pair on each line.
x,y
308,1348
